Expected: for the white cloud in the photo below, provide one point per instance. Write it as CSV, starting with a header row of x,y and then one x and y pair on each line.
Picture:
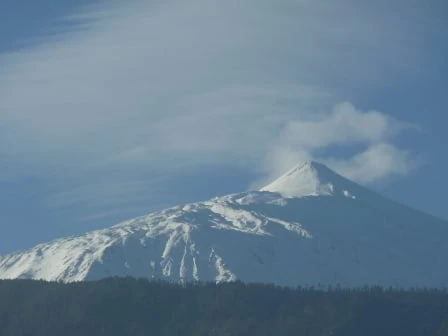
x,y
310,136
158,86
377,162
344,125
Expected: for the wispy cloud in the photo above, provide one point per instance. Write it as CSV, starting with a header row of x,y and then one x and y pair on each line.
x,y
375,163
157,86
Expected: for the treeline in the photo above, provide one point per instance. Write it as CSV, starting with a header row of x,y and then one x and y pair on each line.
x,y
137,307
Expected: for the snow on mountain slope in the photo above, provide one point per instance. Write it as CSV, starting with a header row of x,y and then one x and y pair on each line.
x,y
311,226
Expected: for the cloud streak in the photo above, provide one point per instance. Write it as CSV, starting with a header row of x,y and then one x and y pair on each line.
x,y
159,86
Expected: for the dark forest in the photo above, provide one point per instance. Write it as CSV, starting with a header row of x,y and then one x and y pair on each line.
x,y
128,306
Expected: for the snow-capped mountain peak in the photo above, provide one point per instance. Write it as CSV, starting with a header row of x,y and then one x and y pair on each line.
x,y
310,226
310,179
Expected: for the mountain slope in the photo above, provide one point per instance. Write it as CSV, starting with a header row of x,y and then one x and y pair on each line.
x,y
311,226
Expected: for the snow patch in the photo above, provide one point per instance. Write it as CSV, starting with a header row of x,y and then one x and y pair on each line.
x,y
348,194
224,274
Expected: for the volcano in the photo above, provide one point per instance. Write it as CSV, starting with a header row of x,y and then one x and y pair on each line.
x,y
311,226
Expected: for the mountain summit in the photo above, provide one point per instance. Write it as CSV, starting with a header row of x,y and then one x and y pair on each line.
x,y
309,179
310,226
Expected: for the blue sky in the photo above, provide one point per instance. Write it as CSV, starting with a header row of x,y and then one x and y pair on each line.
x,y
112,109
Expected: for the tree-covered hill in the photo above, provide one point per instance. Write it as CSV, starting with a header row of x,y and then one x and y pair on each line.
x,y
128,306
